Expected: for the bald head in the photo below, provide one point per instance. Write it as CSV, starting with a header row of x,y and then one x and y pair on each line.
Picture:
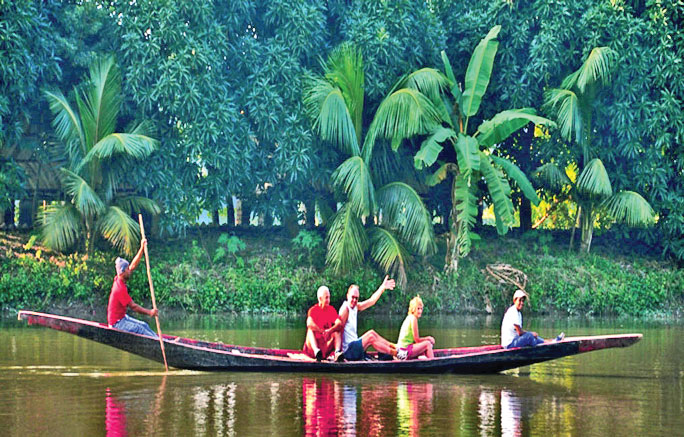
x,y
323,295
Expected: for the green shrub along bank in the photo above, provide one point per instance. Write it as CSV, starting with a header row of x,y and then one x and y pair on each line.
x,y
214,273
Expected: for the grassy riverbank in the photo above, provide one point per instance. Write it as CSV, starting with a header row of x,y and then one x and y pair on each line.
x,y
207,273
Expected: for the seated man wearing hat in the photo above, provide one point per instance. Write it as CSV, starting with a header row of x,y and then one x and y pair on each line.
x,y
512,334
119,299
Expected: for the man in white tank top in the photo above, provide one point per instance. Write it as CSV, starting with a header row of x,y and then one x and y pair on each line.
x,y
353,347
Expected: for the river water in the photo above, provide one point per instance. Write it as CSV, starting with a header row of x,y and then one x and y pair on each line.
x,y
53,383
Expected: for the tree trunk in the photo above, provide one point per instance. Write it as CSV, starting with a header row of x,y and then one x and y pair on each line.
x,y
215,217
310,216
525,214
9,215
230,212
453,249
587,224
574,227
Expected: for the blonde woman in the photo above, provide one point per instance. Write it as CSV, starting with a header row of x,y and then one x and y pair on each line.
x,y
410,343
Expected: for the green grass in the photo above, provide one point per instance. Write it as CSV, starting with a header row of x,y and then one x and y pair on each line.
x,y
270,274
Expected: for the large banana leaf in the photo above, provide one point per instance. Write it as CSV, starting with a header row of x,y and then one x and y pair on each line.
x,y
568,111
500,192
353,177
467,154
333,120
594,181
455,90
514,172
441,174
404,210
117,227
431,147
466,207
388,252
629,207
479,72
347,241
60,225
85,199
503,124
552,176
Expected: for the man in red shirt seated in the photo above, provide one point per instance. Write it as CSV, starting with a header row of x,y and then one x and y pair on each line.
x,y
119,299
324,328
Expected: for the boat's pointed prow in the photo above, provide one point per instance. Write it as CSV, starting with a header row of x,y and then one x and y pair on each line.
x,y
588,344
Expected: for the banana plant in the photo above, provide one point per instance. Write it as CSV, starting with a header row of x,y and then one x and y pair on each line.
x,y
387,223
573,104
432,104
98,159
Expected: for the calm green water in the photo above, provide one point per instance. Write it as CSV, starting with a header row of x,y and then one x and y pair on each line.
x,y
53,383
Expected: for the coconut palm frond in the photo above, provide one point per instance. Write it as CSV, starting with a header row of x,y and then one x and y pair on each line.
x,y
630,208
85,199
503,124
60,225
568,112
552,176
431,147
101,100
388,252
132,204
117,227
500,192
594,181
353,177
514,172
466,207
467,154
479,72
596,68
347,241
132,145
345,70
145,128
428,81
67,125
404,210
333,121
401,115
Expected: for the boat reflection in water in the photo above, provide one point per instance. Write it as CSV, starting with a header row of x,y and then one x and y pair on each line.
x,y
247,404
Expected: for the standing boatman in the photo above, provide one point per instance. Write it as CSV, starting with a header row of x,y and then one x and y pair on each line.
x,y
120,300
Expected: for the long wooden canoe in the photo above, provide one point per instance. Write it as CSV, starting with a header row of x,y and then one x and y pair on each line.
x,y
187,353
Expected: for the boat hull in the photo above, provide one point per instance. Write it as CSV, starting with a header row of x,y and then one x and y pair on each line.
x,y
185,353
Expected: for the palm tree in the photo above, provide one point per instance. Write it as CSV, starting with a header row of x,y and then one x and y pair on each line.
x,y
97,160
336,101
573,104
431,103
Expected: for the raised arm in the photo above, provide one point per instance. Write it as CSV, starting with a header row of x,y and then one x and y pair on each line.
x,y
387,284
138,256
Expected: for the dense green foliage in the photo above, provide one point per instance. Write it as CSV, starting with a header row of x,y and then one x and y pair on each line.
x,y
223,85
273,278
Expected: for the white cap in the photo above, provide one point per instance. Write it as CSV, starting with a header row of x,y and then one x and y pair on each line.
x,y
519,293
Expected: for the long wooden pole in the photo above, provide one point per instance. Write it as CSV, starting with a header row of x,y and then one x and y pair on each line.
x,y
154,303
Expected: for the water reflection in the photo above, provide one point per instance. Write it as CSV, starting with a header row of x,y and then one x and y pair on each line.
x,y
115,415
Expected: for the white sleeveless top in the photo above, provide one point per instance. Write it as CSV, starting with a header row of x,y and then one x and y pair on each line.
x,y
349,333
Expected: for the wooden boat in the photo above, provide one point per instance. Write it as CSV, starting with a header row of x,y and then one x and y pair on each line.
x,y
187,353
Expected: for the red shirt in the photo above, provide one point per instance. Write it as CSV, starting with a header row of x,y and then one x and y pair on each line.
x,y
118,301
323,317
